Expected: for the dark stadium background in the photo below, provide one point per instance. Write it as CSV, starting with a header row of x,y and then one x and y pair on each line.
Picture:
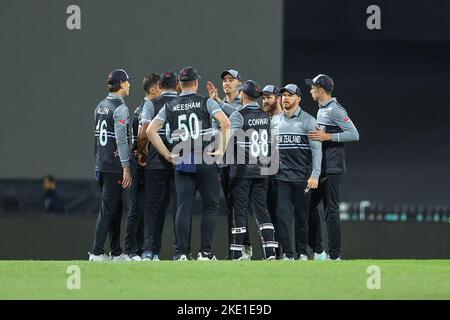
x,y
394,83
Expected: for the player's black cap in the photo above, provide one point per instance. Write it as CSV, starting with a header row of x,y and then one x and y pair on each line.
x,y
118,76
252,89
168,79
188,74
292,89
323,81
232,73
270,89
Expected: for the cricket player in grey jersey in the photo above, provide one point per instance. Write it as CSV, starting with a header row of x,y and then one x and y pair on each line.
x,y
231,84
334,129
252,141
159,174
134,239
299,170
112,165
272,106
189,118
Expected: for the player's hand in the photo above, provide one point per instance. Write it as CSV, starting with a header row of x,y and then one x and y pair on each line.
x,y
313,183
171,158
319,135
142,159
218,155
126,180
212,91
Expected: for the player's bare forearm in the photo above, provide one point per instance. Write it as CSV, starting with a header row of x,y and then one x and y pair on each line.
x,y
224,134
142,138
224,138
155,139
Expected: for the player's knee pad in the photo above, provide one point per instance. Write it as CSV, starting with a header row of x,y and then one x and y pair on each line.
x,y
238,234
267,231
269,248
238,230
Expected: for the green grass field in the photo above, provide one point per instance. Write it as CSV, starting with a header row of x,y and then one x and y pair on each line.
x,y
400,279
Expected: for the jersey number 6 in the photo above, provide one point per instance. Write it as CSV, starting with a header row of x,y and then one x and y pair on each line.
x,y
103,135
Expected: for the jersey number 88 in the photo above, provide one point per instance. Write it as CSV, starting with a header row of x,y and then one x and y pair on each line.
x,y
259,143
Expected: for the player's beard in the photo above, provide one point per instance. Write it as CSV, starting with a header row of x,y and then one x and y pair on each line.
x,y
270,108
288,106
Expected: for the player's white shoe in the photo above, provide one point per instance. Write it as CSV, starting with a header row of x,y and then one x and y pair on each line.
x,y
320,256
121,257
182,257
100,257
134,257
303,257
272,258
156,257
286,258
247,253
206,256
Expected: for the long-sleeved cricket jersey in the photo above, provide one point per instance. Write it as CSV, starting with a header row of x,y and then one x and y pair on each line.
x,y
333,118
299,157
112,151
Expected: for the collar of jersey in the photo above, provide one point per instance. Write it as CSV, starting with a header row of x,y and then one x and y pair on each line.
x,y
251,106
186,93
295,114
169,93
237,99
326,104
112,95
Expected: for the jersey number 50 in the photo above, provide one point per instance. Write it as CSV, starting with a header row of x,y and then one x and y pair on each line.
x,y
194,126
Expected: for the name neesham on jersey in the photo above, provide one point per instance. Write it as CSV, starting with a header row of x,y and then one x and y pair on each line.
x,y
186,106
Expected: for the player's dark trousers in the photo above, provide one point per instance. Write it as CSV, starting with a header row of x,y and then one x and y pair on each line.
x,y
243,189
109,217
134,238
206,180
272,189
292,197
225,181
114,234
328,192
159,188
